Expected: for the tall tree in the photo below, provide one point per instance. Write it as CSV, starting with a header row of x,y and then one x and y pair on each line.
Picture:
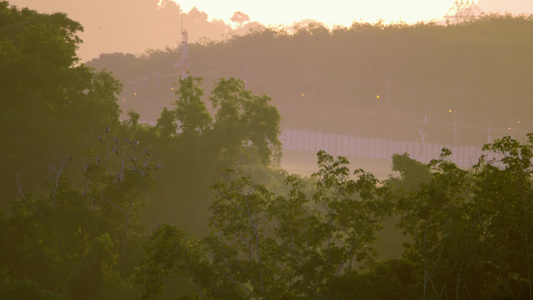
x,y
471,230
78,226
197,143
263,245
50,105
245,121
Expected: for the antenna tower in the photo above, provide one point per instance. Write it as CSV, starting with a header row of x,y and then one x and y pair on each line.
x,y
462,10
184,63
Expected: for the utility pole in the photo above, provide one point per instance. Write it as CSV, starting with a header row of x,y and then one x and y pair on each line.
x,y
387,103
184,63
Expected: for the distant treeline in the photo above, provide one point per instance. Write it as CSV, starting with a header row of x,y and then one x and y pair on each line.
x,y
453,83
195,205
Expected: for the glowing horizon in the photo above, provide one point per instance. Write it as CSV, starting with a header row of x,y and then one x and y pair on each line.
x,y
278,12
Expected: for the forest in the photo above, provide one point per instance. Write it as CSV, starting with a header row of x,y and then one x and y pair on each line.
x,y
98,204
457,83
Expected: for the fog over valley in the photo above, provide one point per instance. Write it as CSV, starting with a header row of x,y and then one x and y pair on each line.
x,y
155,149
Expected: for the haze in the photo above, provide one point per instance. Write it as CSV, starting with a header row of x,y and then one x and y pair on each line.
x,y
135,26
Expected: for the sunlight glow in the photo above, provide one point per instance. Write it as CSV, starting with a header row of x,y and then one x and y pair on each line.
x,y
332,12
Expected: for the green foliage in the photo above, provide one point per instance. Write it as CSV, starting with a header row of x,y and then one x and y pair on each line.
x,y
24,290
412,173
471,229
79,235
50,106
246,124
388,280
245,120
165,124
193,147
169,249
264,245
190,111
81,240
96,267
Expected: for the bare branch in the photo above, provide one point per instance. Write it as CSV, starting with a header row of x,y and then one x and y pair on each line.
x,y
53,176
111,202
19,188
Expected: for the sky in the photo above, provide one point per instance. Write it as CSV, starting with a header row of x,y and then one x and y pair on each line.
x,y
339,12
134,26
342,12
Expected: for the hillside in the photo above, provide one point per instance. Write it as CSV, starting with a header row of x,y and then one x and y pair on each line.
x,y
446,84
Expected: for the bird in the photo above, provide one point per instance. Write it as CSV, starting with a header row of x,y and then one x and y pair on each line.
x,y
159,165
107,130
146,166
100,138
69,157
147,153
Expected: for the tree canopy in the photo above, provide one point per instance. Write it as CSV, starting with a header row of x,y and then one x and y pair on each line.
x,y
50,106
469,233
102,208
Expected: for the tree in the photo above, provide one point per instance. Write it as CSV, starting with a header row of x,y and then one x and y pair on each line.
x,y
195,146
166,125
264,245
471,229
95,269
504,209
86,231
444,237
239,18
191,112
413,174
50,105
245,123
24,289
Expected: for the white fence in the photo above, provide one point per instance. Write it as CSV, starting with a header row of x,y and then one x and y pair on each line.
x,y
354,146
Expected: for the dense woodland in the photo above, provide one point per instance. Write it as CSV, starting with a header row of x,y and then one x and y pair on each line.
x,y
195,206
329,80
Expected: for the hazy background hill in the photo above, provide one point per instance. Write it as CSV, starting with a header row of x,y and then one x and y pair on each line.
x,y
447,84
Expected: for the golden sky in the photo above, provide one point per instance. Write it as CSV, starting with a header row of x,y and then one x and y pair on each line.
x,y
335,12
342,12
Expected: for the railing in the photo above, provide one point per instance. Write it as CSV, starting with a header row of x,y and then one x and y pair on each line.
x,y
363,147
